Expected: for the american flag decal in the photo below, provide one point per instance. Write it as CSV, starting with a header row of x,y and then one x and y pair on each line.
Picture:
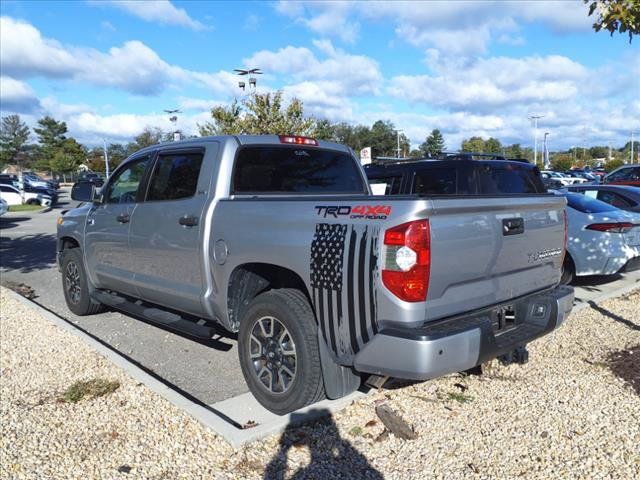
x,y
344,266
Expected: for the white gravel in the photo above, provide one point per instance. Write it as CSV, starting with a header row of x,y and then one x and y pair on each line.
x,y
565,414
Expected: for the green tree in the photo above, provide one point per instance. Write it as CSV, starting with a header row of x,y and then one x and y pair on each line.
x,y
149,136
611,165
323,130
513,151
561,162
473,144
434,143
599,152
51,136
260,114
616,16
68,157
493,145
13,138
383,140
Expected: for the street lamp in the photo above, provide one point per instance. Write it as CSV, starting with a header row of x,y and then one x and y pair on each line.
x,y
398,137
106,157
545,153
534,118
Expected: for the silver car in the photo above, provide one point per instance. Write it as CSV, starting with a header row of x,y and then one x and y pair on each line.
x,y
602,239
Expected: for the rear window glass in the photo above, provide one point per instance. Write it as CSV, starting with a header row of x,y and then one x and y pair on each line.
x,y
436,181
587,205
295,170
509,178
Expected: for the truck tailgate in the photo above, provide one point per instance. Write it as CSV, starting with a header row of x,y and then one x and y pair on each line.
x,y
487,250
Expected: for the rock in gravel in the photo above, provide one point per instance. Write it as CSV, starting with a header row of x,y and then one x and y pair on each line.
x,y
395,423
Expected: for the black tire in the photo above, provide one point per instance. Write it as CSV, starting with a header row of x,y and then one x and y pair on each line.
x,y
74,284
292,310
568,270
32,201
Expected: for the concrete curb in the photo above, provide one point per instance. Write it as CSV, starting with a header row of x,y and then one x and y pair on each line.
x,y
607,296
210,416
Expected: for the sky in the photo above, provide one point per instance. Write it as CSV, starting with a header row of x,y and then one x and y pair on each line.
x,y
110,68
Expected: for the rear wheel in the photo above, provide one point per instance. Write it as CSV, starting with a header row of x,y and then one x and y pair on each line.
x,y
568,270
279,353
75,286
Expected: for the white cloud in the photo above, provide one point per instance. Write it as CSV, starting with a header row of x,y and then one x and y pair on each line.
x,y
457,27
133,67
492,82
159,11
17,96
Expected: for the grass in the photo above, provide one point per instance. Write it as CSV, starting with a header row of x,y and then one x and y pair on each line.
x,y
355,431
24,208
459,397
96,387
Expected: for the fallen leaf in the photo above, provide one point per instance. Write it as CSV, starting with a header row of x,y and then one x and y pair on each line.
x,y
395,423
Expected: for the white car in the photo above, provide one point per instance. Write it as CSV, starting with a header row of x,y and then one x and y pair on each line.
x,y
557,176
3,206
13,196
602,239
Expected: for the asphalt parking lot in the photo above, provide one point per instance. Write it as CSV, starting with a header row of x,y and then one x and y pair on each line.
x,y
210,371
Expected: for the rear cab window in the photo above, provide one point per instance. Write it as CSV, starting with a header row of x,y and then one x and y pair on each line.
x,y
385,185
269,170
436,181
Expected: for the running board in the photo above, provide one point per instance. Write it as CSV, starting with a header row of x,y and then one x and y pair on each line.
x,y
155,315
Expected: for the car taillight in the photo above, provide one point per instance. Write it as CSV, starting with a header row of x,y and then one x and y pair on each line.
x,y
619,227
407,260
297,140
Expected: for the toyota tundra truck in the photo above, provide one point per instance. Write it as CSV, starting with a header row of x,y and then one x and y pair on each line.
x,y
279,239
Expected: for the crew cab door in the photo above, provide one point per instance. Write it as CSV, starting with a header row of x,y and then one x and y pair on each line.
x,y
166,230
107,229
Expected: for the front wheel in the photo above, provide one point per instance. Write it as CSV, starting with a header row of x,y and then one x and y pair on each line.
x,y
279,352
75,286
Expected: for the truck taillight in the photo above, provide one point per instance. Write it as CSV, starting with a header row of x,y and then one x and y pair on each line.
x,y
619,227
297,140
407,260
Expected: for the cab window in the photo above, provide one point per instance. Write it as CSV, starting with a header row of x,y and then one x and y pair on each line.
x,y
175,176
123,188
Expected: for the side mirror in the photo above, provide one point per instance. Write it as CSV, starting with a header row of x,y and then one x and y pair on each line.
x,y
83,191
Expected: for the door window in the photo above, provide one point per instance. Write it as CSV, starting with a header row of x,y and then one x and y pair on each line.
x,y
175,176
613,199
123,188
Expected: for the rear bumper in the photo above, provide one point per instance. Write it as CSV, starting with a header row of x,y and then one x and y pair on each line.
x,y
459,343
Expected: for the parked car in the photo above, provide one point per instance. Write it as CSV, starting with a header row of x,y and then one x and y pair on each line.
x,y
624,175
91,177
13,196
280,240
3,206
47,192
454,177
551,183
563,179
37,181
10,179
620,196
588,177
603,240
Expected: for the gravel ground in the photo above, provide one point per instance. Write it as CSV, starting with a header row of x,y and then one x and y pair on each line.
x,y
572,412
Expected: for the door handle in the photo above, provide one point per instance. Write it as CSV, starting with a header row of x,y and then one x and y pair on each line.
x,y
123,218
512,226
188,221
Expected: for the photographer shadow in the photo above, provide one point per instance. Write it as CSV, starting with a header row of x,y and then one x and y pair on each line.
x,y
331,455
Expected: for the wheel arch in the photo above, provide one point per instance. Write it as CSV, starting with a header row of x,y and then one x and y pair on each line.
x,y
250,279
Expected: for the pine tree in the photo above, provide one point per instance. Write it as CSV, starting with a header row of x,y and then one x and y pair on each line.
x,y
434,144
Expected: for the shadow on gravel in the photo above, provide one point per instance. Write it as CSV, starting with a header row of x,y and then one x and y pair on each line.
x,y
625,364
26,254
613,316
331,455
592,282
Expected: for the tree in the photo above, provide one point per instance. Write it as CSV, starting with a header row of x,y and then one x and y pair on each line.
x,y
474,144
68,157
611,165
260,114
434,143
616,16
513,151
493,145
13,137
599,152
323,130
561,162
383,140
149,136
51,136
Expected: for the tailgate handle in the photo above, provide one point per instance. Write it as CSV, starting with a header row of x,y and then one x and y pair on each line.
x,y
512,226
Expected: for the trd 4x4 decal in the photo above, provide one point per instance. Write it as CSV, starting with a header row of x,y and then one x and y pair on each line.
x,y
370,212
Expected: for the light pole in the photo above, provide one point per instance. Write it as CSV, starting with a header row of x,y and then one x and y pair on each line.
x,y
534,118
106,157
545,153
398,137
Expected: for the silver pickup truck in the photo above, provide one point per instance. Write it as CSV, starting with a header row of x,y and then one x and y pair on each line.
x,y
279,239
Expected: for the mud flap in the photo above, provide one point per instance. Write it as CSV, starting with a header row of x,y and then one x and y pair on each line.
x,y
339,380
